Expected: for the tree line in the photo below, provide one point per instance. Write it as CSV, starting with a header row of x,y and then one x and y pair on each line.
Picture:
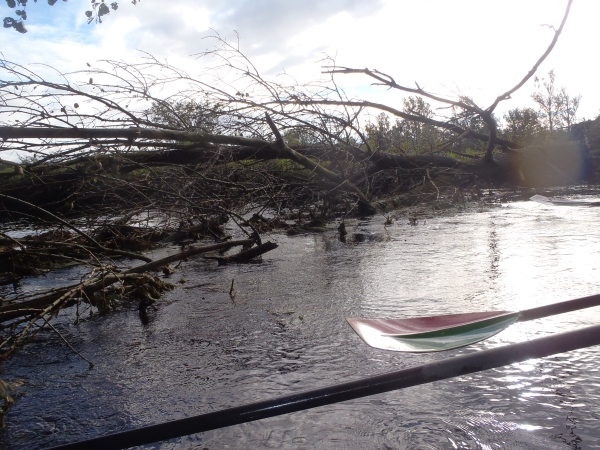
x,y
556,114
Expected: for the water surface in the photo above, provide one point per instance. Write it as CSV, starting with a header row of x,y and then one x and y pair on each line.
x,y
286,332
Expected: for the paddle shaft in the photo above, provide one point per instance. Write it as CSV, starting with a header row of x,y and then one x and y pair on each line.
x,y
441,370
559,308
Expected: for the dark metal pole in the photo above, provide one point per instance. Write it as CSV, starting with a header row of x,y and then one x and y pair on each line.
x,y
441,370
559,308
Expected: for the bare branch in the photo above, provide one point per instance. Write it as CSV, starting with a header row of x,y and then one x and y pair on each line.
x,y
557,33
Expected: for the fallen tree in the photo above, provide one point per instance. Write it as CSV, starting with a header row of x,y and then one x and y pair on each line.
x,y
88,289
99,148
78,155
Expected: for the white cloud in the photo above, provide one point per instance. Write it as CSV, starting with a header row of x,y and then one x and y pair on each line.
x,y
476,48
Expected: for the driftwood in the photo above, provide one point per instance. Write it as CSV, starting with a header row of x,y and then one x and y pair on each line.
x,y
210,225
54,299
193,251
46,306
97,246
89,288
245,256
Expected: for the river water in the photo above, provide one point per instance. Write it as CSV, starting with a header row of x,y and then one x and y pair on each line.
x,y
286,332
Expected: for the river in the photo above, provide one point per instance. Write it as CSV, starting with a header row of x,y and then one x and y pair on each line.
x,y
286,332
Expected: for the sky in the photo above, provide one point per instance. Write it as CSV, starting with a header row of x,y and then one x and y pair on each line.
x,y
477,48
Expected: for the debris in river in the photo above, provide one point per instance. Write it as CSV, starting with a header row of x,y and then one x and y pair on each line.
x,y
245,256
232,291
145,303
167,270
6,398
342,232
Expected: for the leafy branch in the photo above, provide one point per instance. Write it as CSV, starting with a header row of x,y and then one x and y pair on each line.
x,y
99,10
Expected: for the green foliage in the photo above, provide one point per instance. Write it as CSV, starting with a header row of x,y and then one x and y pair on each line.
x,y
284,165
547,99
557,108
189,115
464,153
418,138
469,121
523,126
99,9
300,137
404,136
568,111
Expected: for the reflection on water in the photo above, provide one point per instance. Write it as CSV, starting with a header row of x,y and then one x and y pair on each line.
x,y
286,332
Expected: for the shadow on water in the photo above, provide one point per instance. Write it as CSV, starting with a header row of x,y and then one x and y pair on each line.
x,y
286,332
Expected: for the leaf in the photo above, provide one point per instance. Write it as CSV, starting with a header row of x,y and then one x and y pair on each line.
x,y
9,22
20,27
11,3
76,105
103,10
91,81
52,2
6,398
4,388
114,6
89,14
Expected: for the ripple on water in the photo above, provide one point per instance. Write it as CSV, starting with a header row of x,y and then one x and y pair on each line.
x,y
286,332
